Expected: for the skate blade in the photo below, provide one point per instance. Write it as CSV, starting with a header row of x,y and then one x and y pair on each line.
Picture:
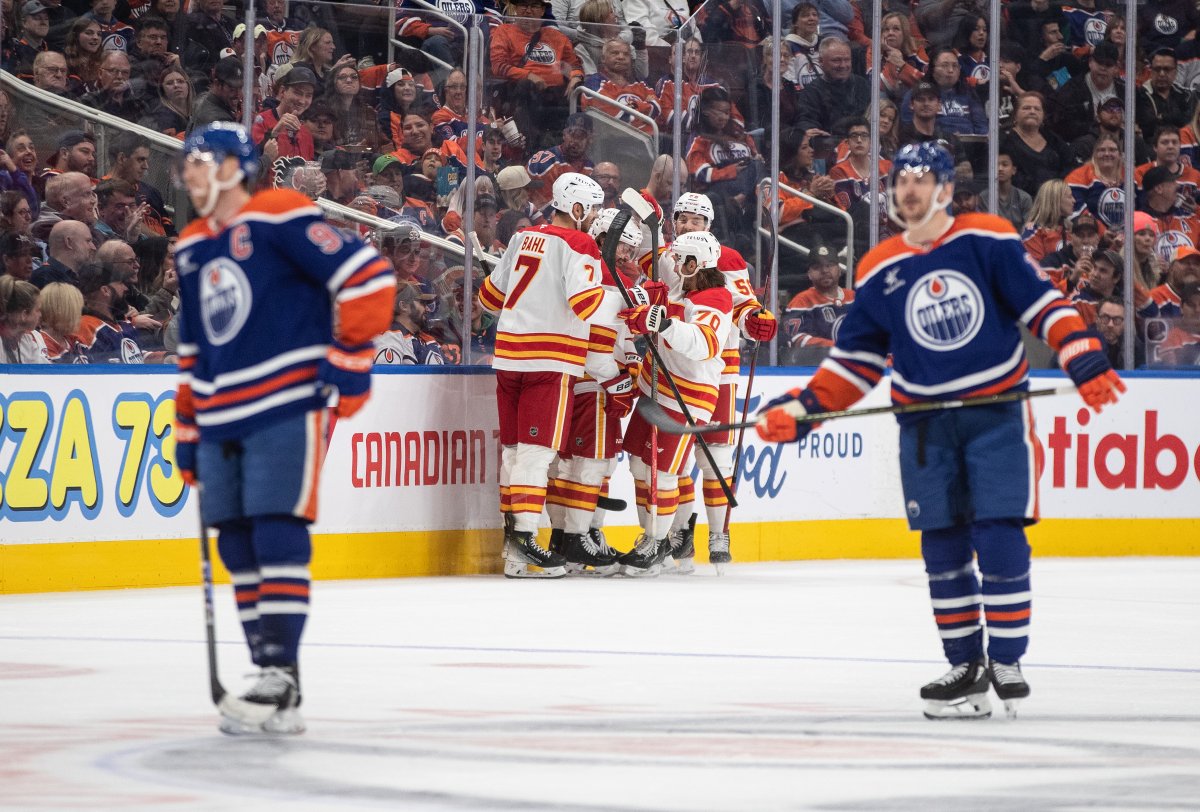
x,y
638,572
519,569
719,566
1010,707
975,706
286,722
685,566
586,571
242,712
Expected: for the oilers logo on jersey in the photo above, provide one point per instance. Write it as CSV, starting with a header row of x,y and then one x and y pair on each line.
x,y
225,300
1111,207
1169,243
1165,24
1094,30
981,74
944,310
459,10
541,54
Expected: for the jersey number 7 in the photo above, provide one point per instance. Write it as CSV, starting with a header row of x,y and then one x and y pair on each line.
x,y
528,266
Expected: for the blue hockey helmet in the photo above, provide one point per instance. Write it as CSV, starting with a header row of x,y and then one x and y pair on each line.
x,y
926,156
223,139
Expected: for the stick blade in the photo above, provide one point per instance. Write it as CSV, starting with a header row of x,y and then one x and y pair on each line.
x,y
658,417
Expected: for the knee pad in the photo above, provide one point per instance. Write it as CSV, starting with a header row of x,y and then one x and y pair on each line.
x,y
639,469
722,456
588,472
533,457
281,541
235,545
947,549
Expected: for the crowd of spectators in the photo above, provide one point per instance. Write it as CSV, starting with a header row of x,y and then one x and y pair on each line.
x,y
336,119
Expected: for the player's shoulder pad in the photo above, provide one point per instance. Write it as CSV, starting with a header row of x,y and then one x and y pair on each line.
x,y
716,298
196,228
280,202
891,250
730,260
579,241
987,224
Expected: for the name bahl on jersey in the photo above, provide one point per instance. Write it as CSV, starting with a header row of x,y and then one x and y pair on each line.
x,y
278,261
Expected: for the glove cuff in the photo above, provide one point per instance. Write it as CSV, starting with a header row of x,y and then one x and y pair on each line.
x,y
620,385
358,358
186,433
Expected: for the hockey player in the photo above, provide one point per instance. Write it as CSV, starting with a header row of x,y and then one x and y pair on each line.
x,y
277,312
546,289
603,397
944,300
694,213
693,334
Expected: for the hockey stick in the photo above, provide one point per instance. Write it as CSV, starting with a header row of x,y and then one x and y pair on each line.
x,y
611,505
610,252
655,415
214,681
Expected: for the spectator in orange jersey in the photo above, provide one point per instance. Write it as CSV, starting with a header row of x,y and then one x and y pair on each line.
x,y
1176,227
904,62
814,315
538,65
1181,347
1073,262
615,81
724,163
1167,151
1166,299
569,156
1046,230
797,172
695,80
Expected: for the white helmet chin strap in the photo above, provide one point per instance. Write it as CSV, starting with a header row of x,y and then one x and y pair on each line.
x,y
215,187
934,207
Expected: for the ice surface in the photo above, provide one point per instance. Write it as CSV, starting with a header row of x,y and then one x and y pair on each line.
x,y
779,686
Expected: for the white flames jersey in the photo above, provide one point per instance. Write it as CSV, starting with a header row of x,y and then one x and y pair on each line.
x,y
610,346
691,349
546,289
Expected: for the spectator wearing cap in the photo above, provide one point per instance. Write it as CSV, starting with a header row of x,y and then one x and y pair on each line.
x,y
1099,185
211,29
282,126
1110,120
1075,103
1037,151
34,22
1147,264
76,152
388,171
1159,199
341,181
320,122
402,96
924,104
1168,155
117,34
513,184
224,96
1164,300
813,316
408,343
70,246
538,65
61,18
1166,23
16,256
615,80
836,95
570,155
104,336
1100,282
1074,260
116,94
403,245
1160,101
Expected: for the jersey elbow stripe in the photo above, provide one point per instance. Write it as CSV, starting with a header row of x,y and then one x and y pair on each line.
x,y
350,267
586,303
1037,310
1060,325
379,283
491,298
850,375
368,275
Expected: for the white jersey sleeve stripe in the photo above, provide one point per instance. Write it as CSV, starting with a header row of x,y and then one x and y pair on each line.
x,y
966,381
351,266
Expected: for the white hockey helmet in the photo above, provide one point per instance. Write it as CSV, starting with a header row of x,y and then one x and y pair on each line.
x,y
632,235
571,188
694,203
701,245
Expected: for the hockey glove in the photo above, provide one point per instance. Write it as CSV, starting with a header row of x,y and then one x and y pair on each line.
x,y
761,326
187,439
645,319
1082,358
618,396
778,422
347,371
650,292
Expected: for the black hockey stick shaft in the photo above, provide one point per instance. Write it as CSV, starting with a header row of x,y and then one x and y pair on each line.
x,y
610,254
655,415
210,631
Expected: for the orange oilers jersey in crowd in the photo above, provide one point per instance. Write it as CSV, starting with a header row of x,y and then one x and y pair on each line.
x,y
849,185
691,349
709,160
665,91
261,300
634,95
1188,193
812,320
947,315
546,289
281,46
546,166
1162,302
1042,241
1174,232
552,58
1180,348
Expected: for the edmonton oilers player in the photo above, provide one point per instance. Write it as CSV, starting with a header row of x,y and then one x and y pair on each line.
x,y
277,311
944,299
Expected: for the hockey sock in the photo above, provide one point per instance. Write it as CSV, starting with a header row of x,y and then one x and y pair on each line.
x,y
954,591
599,514
284,549
507,457
715,505
556,506
684,513
1007,599
236,547
527,485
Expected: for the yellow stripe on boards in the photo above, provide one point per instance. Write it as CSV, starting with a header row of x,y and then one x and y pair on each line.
x,y
73,566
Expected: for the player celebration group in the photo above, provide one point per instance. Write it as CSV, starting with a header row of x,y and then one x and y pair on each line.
x,y
279,311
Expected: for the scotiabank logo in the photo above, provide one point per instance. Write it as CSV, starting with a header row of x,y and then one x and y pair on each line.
x,y
1145,460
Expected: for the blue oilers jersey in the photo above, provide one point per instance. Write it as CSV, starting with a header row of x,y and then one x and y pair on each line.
x,y
947,316
259,303
1085,27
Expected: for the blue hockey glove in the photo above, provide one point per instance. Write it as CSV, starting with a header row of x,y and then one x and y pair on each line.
x,y
347,370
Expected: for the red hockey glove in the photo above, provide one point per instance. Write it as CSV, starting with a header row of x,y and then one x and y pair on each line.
x,y
347,371
778,422
761,325
649,292
618,396
645,319
187,440
1082,358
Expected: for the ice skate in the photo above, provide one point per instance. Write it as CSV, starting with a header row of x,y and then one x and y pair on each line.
x,y
584,556
271,706
606,552
556,537
718,551
1010,685
525,558
645,559
683,549
961,693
